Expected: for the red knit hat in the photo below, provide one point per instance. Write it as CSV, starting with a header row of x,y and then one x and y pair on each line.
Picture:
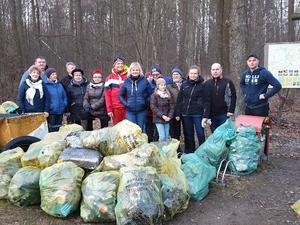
x,y
97,71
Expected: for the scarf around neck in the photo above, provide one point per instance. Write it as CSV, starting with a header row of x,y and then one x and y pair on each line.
x,y
33,86
162,94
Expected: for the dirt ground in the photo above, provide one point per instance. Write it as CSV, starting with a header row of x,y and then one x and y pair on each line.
x,y
263,198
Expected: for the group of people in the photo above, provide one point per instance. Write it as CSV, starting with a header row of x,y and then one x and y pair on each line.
x,y
158,104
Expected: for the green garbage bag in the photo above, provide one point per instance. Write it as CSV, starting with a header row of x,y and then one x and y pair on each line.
x,y
139,197
215,148
60,188
99,197
198,173
116,140
24,187
244,151
10,163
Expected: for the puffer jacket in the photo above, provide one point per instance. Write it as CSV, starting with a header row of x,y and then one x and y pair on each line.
x,y
161,106
75,93
57,97
94,100
135,94
192,99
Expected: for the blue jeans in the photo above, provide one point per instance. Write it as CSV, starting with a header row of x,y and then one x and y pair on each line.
x,y
138,118
163,131
191,122
217,121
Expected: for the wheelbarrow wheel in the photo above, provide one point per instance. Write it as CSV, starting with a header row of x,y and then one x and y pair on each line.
x,y
23,142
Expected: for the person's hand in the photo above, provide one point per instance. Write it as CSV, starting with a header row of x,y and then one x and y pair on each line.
x,y
110,114
177,118
262,96
205,122
46,114
229,114
166,118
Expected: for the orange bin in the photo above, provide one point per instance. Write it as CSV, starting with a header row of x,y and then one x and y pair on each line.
x,y
258,122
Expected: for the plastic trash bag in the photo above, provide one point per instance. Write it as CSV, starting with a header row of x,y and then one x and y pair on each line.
x,y
8,107
24,187
99,197
45,152
10,163
215,148
60,188
198,173
73,140
296,207
70,128
244,151
139,197
143,155
116,140
49,154
84,158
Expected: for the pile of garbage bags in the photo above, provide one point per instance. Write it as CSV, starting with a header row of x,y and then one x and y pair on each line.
x,y
114,174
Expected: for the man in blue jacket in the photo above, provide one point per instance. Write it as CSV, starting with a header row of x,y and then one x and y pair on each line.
x,y
254,84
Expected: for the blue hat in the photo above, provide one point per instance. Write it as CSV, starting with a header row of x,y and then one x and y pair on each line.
x,y
253,55
119,57
156,68
178,70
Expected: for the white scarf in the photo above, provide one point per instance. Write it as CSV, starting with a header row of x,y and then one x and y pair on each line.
x,y
162,94
96,85
33,86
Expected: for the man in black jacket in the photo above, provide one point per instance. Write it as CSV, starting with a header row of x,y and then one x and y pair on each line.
x,y
222,96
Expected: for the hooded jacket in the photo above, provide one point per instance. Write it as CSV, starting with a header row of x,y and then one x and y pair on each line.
x,y
254,83
57,97
135,94
192,99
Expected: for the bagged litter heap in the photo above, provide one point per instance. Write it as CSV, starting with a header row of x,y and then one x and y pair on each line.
x,y
45,152
99,197
116,140
198,173
143,155
84,158
24,187
139,197
10,163
215,148
60,188
244,151
70,128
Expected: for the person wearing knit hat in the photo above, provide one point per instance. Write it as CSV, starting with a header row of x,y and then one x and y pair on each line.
x,y
57,99
174,87
94,102
50,71
113,83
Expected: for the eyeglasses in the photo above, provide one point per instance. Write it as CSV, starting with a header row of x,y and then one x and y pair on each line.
x,y
97,76
155,74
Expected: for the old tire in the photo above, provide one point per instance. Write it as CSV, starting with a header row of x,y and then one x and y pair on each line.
x,y
23,142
